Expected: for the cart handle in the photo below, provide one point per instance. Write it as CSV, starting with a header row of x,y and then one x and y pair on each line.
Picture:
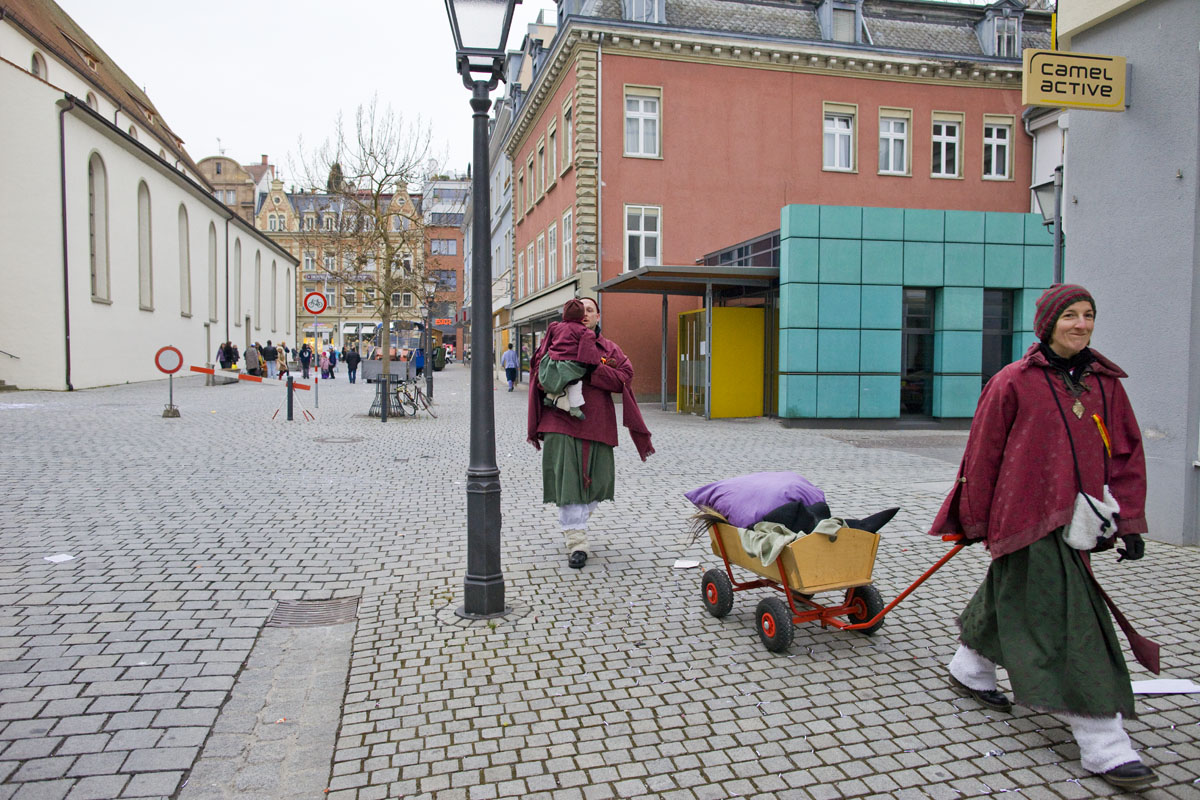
x,y
952,537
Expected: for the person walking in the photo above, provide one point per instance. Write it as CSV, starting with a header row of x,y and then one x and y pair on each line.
x,y
225,355
578,469
324,364
332,362
281,362
253,364
1053,425
352,358
508,360
305,356
270,355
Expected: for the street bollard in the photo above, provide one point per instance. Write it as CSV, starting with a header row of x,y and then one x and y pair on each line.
x,y
289,398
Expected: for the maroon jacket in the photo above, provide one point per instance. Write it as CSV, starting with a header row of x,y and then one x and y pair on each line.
x,y
613,374
1017,480
572,341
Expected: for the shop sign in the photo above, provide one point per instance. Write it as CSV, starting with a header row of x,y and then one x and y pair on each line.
x,y
443,321
1062,79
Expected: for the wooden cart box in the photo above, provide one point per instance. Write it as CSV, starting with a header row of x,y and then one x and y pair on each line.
x,y
812,563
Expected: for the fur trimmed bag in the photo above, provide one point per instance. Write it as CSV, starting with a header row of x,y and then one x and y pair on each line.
x,y
1093,521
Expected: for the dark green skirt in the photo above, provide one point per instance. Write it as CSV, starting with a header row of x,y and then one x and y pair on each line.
x,y
1040,616
562,478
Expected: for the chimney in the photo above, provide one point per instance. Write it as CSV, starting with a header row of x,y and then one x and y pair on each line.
x,y
264,161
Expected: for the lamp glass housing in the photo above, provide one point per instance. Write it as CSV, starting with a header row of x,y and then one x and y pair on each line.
x,y
480,29
1044,192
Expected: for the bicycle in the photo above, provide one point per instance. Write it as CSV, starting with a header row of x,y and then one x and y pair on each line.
x,y
409,398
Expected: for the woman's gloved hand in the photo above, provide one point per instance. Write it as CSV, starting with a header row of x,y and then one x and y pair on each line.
x,y
1134,547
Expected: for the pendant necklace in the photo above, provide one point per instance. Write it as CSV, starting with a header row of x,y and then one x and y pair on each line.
x,y
1077,407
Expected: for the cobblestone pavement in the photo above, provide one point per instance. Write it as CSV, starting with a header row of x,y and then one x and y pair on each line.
x,y
119,666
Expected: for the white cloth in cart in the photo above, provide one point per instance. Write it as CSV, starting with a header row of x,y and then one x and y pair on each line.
x,y
766,540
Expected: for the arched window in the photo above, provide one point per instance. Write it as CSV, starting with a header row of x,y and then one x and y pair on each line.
x,y
37,65
258,291
133,132
98,226
91,101
274,298
288,300
145,257
237,282
212,272
185,264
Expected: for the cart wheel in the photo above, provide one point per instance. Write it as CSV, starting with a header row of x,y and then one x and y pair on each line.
x,y
774,621
717,592
867,603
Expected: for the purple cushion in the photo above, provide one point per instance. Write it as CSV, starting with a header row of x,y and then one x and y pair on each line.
x,y
746,499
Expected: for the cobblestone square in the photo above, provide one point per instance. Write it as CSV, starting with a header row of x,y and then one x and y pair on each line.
x,y
141,667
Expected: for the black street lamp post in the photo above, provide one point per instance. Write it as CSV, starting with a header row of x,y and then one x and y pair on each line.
x,y
480,29
430,289
1049,200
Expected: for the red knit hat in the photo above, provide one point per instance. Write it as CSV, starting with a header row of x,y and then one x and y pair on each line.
x,y
573,310
1053,302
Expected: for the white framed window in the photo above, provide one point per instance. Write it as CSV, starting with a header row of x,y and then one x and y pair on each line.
x,y
568,138
443,247
230,197
845,25
330,262
997,147
642,129
348,297
145,250
395,299
894,126
541,260
947,152
98,226
551,154
310,261
1008,36
643,236
369,262
530,183
271,222
521,292
838,141
552,253
185,264
541,167
406,299
519,197
529,272
330,298
310,222
568,242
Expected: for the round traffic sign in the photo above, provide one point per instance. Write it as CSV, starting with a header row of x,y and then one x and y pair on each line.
x,y
168,359
314,302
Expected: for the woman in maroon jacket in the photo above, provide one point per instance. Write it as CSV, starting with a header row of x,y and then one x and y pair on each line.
x,y
578,470
1048,426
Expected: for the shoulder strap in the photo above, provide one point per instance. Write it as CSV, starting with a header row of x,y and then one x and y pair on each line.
x,y
1074,457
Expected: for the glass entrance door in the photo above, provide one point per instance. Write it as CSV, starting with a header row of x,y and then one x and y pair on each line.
x,y
690,389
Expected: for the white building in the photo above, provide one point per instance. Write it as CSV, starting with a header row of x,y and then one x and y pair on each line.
x,y
113,243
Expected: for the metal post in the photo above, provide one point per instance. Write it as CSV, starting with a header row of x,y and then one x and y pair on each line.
x,y
384,385
289,397
429,349
1058,232
663,359
483,588
708,349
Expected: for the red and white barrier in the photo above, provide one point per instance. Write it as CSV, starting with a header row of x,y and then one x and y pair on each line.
x,y
241,376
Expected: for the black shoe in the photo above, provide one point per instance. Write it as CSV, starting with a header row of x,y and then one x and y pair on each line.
x,y
997,701
577,559
1133,775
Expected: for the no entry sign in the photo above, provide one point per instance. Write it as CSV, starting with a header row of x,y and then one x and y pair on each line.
x,y
314,302
168,359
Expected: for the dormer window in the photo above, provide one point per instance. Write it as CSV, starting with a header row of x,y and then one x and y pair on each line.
x,y
218,167
1008,35
651,11
999,31
841,20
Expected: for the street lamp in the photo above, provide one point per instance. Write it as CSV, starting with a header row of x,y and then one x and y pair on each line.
x,y
480,29
430,289
1049,200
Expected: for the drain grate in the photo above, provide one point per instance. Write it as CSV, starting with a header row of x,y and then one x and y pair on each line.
x,y
310,613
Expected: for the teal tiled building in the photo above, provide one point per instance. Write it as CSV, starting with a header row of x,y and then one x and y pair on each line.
x,y
885,312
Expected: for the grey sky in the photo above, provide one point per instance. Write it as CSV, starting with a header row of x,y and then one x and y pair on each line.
x,y
261,74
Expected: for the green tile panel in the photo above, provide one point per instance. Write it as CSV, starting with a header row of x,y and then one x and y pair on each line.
x,y
955,396
882,307
922,225
1039,266
882,262
798,260
841,222
837,350
964,264
1022,340
797,350
1003,266
880,352
958,351
923,263
1004,228
837,396
879,396
839,305
965,226
840,261
883,223
958,309
1024,308
798,305
799,220
1036,231
798,395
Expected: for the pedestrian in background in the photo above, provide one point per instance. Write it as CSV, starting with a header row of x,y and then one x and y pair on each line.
x,y
225,355
332,363
281,364
270,355
1049,427
508,360
351,357
253,364
305,359
578,469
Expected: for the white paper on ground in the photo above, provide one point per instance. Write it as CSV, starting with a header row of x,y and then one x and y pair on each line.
x,y
1166,686
686,563
58,559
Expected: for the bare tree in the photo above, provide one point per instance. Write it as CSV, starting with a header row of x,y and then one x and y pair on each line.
x,y
358,216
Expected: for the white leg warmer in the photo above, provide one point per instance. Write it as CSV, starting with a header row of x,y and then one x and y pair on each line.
x,y
973,670
1103,743
573,521
576,540
575,394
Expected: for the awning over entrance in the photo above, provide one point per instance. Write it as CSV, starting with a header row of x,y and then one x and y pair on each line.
x,y
697,281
